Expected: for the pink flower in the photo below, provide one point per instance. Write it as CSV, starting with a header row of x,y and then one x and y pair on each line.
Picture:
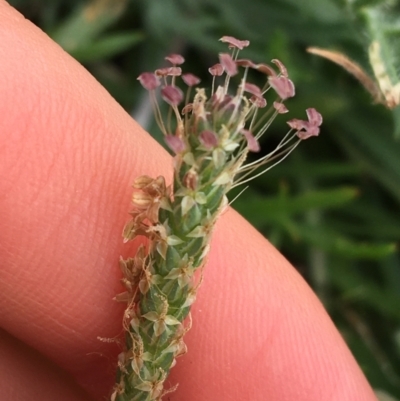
x,y
216,70
280,108
149,80
177,145
259,102
283,86
175,59
208,139
265,69
281,67
172,95
252,143
245,62
228,63
169,71
233,42
314,117
190,79
305,129
253,89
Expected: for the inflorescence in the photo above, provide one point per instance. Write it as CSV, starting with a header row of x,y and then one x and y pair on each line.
x,y
210,136
223,120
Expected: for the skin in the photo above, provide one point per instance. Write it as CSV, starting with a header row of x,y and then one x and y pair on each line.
x,y
69,154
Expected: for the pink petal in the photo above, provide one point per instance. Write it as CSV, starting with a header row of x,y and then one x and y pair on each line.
x,y
280,108
252,143
253,89
175,59
311,130
190,79
169,71
266,69
259,102
233,42
306,129
281,67
208,139
244,62
229,65
216,70
314,117
297,124
283,86
172,95
162,72
149,80
175,144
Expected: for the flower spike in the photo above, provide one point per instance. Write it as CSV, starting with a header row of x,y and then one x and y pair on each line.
x,y
210,135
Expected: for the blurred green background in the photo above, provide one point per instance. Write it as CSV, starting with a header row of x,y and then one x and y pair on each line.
x,y
332,207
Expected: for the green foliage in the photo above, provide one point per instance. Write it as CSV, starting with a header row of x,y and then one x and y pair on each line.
x,y
333,207
80,32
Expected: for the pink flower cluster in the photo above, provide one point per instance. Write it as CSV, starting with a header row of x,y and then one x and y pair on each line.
x,y
211,115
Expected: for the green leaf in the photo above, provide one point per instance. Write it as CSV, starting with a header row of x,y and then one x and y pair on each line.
x,y
375,221
107,47
333,242
361,250
370,142
87,22
358,289
314,170
261,210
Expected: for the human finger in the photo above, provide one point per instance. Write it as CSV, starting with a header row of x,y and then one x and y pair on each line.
x,y
26,375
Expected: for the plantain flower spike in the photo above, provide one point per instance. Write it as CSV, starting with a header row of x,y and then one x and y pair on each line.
x,y
210,135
